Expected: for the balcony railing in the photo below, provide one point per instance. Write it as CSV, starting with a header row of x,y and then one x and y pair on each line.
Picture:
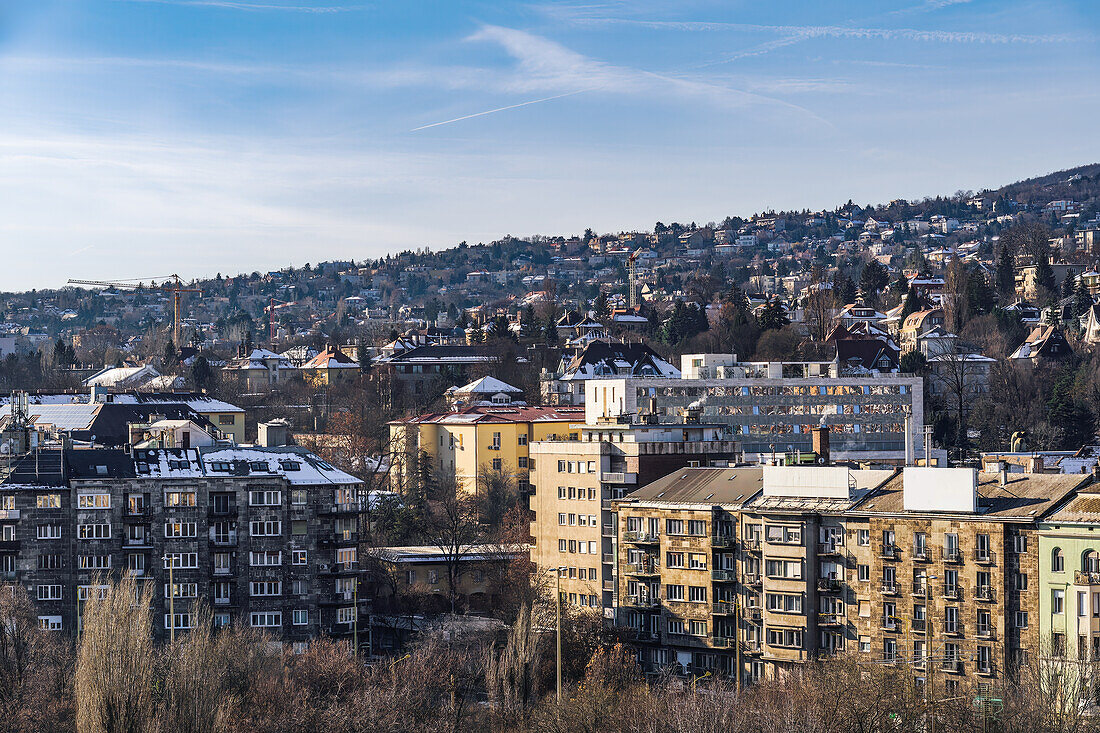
x,y
754,614
608,559
643,602
723,576
831,619
888,552
830,548
952,629
723,540
641,538
984,593
724,608
722,641
985,631
951,665
952,554
889,624
753,544
829,585
952,592
753,579
890,589
985,557
642,568
1085,577
752,646
920,625
922,554
920,589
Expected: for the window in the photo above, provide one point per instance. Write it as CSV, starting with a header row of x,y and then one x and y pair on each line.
x,y
49,623
345,615
863,537
497,465
49,592
93,531
298,527
433,577
783,602
179,498
93,562
561,519
865,644
785,637
1090,561
290,465
1019,544
49,531
1082,603
1057,560
299,588
265,498
698,628
561,546
299,617
697,528
674,592
177,560
51,562
298,497
561,466
523,438
674,526
697,594
1020,581
675,560
783,535
522,460
7,502
48,501
265,588
783,569
175,530
183,590
297,557
561,492
984,661
863,572
179,621
267,558
225,419
1021,620
266,619
675,626
266,528
83,592
697,561
93,501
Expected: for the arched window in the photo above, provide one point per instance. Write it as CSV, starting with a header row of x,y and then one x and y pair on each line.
x,y
1090,561
1057,560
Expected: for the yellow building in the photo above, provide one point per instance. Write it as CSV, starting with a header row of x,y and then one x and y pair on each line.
x,y
476,441
329,367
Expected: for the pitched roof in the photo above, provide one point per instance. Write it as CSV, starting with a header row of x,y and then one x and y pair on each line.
x,y
502,414
486,385
715,486
330,358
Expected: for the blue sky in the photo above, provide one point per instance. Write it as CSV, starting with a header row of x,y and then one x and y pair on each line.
x,y
144,137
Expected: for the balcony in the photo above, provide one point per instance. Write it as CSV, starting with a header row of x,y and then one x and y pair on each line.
x,y
754,614
642,602
351,507
608,559
641,538
642,569
618,477
920,625
753,579
952,629
228,512
608,530
831,619
922,554
723,541
889,589
985,631
752,646
1084,577
920,589
825,549
338,538
952,592
223,540
829,585
985,557
724,608
337,568
985,593
723,576
952,555
722,641
752,544
643,635
889,552
889,624
222,601
951,665
9,545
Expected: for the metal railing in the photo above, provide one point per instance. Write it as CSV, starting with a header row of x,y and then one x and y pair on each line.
x,y
724,608
1086,577
888,552
723,540
952,555
723,576
828,585
985,593
829,548
920,589
986,557
890,589
641,537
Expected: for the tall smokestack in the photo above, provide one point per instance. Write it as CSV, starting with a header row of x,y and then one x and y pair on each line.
x,y
821,444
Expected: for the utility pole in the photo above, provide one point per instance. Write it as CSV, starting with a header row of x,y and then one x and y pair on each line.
x,y
355,621
557,616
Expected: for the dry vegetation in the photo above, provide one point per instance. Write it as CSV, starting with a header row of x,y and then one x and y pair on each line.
x,y
235,680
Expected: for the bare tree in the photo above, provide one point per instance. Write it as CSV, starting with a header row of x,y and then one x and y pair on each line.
x,y
454,527
116,663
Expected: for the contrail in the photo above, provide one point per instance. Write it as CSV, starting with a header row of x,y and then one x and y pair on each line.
x,y
498,109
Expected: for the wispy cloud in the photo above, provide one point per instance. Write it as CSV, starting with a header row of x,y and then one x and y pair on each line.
x,y
803,32
242,5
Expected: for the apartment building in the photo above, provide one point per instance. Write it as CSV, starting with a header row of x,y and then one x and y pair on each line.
x,y
867,415
266,536
574,484
473,441
932,568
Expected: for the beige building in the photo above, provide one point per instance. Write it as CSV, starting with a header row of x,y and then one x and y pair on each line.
x,y
574,482
933,568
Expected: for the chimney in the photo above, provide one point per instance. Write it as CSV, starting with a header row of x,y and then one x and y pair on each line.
x,y
821,444
1002,469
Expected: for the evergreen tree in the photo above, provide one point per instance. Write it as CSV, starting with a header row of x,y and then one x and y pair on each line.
x,y
1006,276
1082,301
912,303
979,294
773,316
201,373
872,281
1073,420
601,306
844,290
528,326
171,356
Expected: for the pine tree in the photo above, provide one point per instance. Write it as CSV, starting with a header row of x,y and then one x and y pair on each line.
x,y
1006,276
912,303
1082,301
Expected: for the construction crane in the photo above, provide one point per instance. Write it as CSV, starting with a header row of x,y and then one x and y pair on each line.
x,y
172,283
271,315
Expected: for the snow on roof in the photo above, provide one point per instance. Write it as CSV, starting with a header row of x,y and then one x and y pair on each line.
x,y
297,465
78,416
117,375
486,385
